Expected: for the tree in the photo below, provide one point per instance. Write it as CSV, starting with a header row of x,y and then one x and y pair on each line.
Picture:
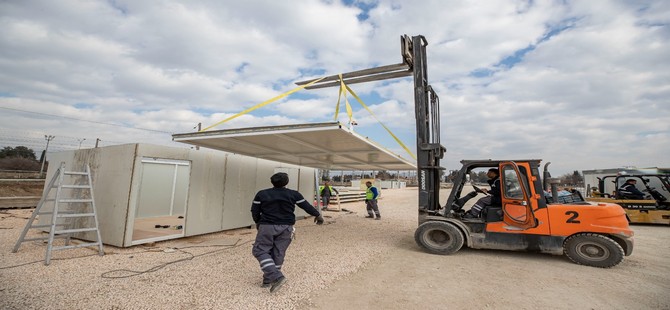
x,y
452,175
383,175
17,152
574,178
478,177
18,163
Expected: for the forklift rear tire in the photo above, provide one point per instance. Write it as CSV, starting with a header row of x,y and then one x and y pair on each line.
x,y
439,237
593,250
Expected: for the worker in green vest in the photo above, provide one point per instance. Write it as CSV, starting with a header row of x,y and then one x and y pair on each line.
x,y
326,191
371,195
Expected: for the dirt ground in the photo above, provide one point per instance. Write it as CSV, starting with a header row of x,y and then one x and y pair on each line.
x,y
28,193
405,277
350,263
16,188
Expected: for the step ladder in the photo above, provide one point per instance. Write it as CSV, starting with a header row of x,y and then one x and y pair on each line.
x,y
77,193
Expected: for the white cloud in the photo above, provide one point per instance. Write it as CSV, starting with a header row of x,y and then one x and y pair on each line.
x,y
591,90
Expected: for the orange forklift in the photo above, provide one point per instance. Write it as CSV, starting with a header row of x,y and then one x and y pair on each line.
x,y
595,235
528,219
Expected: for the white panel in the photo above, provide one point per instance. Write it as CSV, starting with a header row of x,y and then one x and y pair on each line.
x,y
205,200
322,145
156,190
239,191
111,170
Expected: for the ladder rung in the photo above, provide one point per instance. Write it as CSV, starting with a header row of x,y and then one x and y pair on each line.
x,y
68,231
83,245
45,225
76,215
59,212
74,173
43,238
75,200
75,186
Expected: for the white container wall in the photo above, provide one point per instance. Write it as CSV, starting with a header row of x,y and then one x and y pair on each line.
x,y
145,193
393,184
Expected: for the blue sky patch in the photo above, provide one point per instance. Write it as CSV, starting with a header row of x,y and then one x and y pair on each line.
x,y
84,105
517,57
240,68
364,7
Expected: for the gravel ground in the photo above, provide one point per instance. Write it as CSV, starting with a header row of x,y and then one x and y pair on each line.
x,y
214,271
350,262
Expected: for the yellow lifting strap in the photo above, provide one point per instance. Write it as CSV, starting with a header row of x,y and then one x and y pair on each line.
x,y
380,122
264,103
343,91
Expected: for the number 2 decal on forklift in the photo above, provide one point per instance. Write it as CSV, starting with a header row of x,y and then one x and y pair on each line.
x,y
573,218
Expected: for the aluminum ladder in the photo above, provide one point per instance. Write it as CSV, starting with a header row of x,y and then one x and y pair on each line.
x,y
79,183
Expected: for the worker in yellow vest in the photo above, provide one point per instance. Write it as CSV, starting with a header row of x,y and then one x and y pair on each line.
x,y
371,195
326,191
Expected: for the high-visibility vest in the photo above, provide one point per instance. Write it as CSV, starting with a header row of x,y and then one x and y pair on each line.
x,y
330,188
369,195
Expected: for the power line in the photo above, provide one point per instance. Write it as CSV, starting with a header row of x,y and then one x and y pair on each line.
x,y
83,120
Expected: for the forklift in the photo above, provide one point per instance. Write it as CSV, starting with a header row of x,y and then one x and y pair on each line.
x,y
588,234
654,208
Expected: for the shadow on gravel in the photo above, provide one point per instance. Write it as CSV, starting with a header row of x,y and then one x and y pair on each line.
x,y
407,243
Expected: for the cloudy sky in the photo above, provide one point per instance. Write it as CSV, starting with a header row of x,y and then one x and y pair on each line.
x,y
583,84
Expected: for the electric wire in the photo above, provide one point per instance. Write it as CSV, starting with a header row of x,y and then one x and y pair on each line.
x,y
135,273
83,120
132,273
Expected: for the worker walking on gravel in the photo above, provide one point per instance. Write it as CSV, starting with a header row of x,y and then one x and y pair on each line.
x,y
326,191
371,195
273,212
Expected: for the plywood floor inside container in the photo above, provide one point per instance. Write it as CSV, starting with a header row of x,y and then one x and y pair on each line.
x,y
145,228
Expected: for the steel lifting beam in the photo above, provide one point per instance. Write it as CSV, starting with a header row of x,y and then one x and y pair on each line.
x,y
362,76
426,103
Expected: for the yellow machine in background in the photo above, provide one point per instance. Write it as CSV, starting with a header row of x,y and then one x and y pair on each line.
x,y
653,209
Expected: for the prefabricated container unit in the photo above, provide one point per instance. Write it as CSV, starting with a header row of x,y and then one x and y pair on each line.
x,y
146,193
393,184
360,183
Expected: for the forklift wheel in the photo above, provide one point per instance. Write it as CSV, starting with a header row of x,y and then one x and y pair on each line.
x,y
439,237
593,250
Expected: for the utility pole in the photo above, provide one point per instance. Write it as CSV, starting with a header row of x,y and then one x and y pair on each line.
x,y
48,138
199,129
96,142
80,141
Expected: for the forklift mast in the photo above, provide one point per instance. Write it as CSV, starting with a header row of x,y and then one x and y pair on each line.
x,y
427,113
428,148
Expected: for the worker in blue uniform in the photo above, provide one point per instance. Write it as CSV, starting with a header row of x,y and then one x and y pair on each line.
x,y
273,212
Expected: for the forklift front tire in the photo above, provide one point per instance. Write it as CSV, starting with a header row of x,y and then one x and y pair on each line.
x,y
439,237
593,250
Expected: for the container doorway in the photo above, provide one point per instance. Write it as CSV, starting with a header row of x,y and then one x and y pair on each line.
x,y
162,198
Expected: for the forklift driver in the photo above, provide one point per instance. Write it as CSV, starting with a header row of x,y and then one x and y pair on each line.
x,y
629,191
493,199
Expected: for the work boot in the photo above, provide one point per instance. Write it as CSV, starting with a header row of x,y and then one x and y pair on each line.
x,y
276,285
378,217
264,285
370,216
